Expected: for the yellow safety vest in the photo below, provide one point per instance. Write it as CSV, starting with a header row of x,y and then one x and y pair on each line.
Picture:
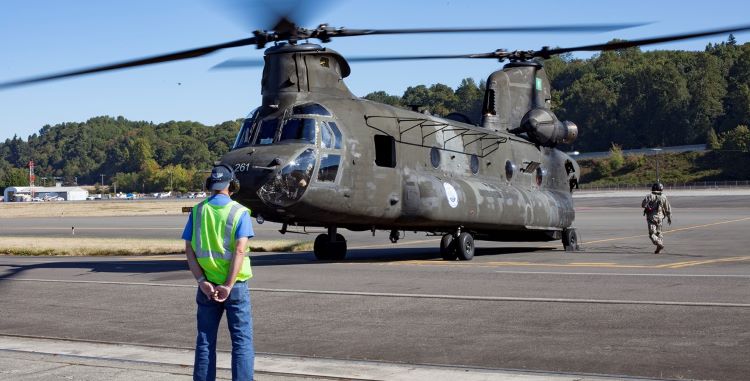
x,y
213,240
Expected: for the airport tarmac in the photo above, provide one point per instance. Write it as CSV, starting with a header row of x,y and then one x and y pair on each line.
x,y
613,309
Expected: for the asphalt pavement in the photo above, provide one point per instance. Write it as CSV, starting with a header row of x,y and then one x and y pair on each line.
x,y
613,310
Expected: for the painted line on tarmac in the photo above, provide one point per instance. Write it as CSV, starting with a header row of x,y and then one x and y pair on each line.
x,y
395,244
414,296
671,231
626,274
610,265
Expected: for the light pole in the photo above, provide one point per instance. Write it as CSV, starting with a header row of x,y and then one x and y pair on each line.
x,y
102,183
657,150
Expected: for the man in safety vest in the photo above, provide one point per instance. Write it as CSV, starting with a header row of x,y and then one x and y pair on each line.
x,y
215,237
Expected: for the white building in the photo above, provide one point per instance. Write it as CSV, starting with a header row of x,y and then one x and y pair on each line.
x,y
55,193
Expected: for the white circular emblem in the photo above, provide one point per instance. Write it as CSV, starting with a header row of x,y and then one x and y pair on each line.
x,y
450,192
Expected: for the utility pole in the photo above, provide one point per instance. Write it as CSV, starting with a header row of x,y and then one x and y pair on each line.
x,y
657,150
102,183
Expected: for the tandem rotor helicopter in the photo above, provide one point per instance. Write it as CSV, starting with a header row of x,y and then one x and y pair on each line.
x,y
314,154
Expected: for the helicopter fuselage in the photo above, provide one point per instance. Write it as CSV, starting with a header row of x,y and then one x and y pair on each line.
x,y
327,158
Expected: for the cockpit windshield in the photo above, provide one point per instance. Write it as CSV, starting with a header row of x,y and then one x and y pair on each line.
x,y
267,132
298,129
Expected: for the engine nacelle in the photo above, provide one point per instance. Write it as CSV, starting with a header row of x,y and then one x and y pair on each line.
x,y
542,127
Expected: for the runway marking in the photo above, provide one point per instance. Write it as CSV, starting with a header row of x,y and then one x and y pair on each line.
x,y
626,274
415,296
395,244
671,231
672,265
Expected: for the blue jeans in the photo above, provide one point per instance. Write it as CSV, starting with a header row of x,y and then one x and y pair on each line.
x,y
240,322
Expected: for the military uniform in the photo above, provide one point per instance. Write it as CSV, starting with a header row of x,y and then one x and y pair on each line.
x,y
656,208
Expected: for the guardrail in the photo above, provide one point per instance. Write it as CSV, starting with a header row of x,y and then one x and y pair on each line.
x,y
694,185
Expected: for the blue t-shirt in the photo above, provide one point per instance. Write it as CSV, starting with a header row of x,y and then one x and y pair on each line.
x,y
244,226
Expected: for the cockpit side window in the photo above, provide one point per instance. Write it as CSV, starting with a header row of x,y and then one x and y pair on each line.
x,y
245,136
298,129
326,136
267,131
310,109
336,134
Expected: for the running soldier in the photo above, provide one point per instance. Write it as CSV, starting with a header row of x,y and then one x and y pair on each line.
x,y
656,208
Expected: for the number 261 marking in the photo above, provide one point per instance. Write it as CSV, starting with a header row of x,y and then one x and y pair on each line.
x,y
241,167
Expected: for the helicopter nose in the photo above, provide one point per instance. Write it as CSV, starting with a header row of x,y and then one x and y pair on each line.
x,y
290,182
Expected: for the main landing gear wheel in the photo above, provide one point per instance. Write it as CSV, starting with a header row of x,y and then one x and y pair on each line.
x,y
570,240
465,246
448,248
327,250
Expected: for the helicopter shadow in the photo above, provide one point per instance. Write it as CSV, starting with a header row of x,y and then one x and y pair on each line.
x,y
177,266
385,255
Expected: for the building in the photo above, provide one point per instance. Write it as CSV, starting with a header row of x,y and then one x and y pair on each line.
x,y
56,193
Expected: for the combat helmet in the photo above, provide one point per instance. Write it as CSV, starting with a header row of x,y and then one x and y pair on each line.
x,y
657,187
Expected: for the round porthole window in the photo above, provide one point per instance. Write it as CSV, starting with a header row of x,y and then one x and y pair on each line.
x,y
539,176
510,169
435,157
474,164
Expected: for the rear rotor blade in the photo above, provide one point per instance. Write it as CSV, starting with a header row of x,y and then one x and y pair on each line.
x,y
181,55
546,53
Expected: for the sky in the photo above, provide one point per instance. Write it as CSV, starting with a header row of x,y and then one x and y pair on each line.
x,y
47,36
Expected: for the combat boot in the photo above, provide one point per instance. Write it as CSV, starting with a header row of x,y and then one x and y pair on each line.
x,y
659,248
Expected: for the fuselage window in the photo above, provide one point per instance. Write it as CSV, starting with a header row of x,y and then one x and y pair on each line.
x,y
435,157
267,132
329,167
474,164
298,129
510,169
385,151
540,175
310,109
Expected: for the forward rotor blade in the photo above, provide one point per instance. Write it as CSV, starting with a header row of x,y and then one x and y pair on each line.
x,y
181,55
546,53
246,63
516,29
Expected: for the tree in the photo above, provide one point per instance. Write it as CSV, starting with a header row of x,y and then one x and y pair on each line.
x,y
383,97
712,140
737,139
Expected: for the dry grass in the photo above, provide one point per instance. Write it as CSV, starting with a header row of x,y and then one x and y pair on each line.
x,y
92,208
75,246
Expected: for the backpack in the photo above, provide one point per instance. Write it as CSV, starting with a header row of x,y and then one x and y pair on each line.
x,y
652,206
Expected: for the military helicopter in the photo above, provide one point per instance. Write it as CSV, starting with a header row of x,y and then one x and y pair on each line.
x,y
315,155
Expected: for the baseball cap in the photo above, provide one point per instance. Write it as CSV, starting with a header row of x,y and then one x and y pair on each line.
x,y
219,178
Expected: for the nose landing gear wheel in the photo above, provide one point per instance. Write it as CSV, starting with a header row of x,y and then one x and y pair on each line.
x,y
326,250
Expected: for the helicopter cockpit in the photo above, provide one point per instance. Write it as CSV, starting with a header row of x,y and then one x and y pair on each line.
x,y
302,125
314,138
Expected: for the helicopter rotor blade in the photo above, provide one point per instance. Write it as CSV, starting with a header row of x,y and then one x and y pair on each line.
x,y
546,52
513,29
176,56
